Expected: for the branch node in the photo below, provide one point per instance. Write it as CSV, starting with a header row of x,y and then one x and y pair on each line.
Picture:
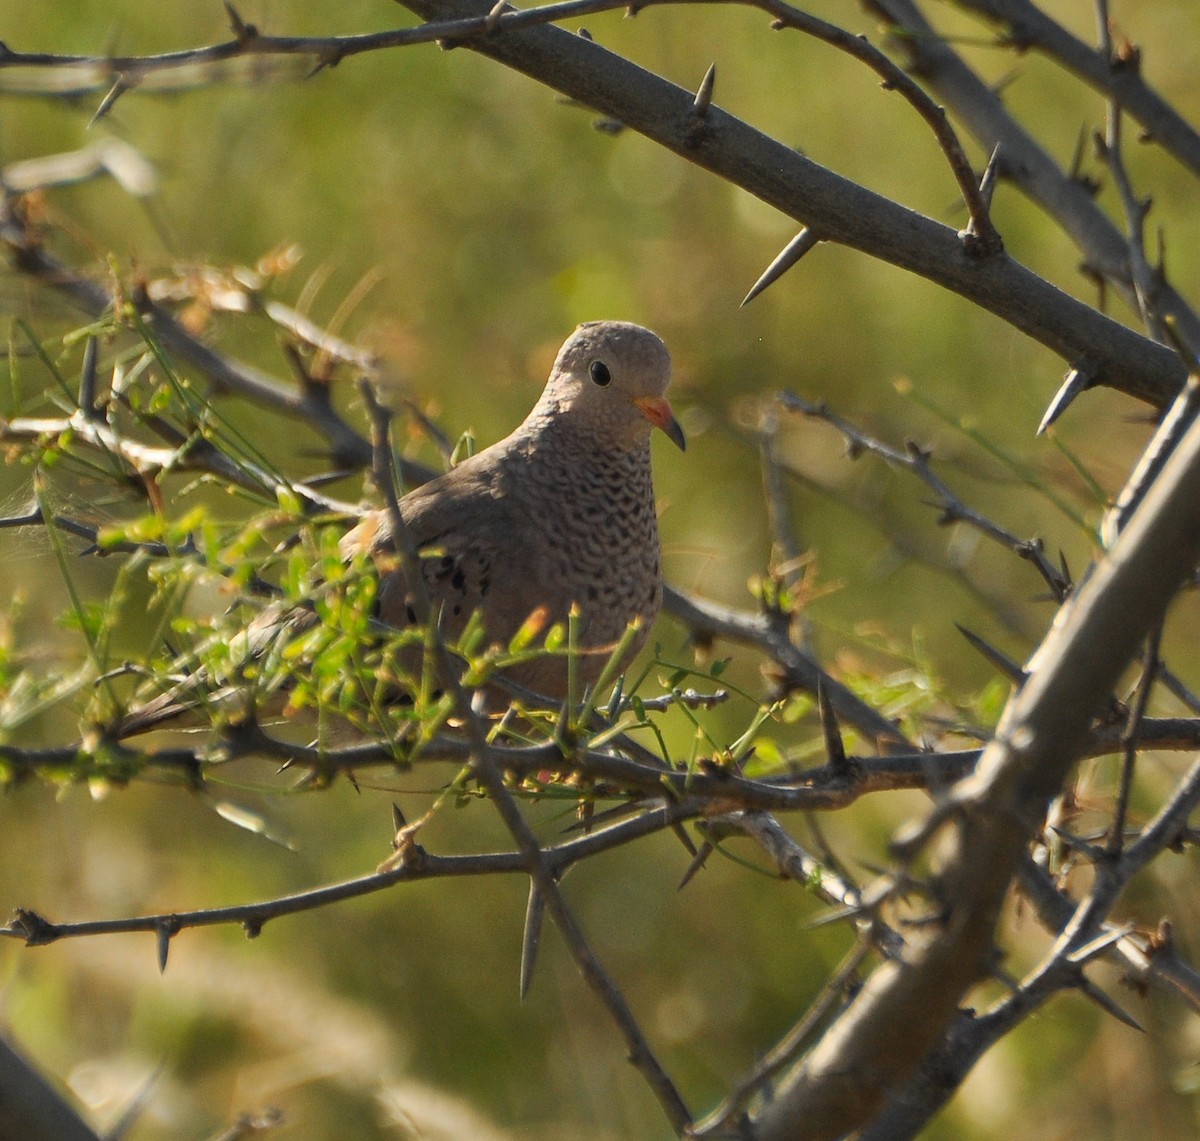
x,y
242,32
36,930
492,20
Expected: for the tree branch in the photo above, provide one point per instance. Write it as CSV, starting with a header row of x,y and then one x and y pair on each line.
x,y
847,1077
1023,161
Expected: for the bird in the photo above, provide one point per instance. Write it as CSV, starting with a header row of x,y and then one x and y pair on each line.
x,y
559,516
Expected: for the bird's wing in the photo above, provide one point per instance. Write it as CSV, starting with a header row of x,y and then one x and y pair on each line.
x,y
473,545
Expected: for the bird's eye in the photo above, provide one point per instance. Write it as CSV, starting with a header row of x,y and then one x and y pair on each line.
x,y
599,373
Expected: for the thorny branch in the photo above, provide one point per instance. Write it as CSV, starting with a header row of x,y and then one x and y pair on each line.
x,y
1116,72
1065,198
1085,934
487,766
416,864
953,509
652,796
833,208
639,788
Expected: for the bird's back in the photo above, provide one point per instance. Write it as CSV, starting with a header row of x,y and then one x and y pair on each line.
x,y
530,525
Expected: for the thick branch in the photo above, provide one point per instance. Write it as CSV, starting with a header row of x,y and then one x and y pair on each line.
x,y
30,1108
836,208
865,1055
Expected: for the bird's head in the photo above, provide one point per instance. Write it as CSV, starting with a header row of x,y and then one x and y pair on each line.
x,y
611,377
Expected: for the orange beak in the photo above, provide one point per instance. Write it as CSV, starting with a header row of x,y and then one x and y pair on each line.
x,y
658,412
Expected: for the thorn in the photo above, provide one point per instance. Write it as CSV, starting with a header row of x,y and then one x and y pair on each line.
x,y
682,836
399,823
618,696
535,910
704,92
242,32
1064,568
1107,1004
701,858
119,87
835,748
1092,852
87,380
801,244
834,915
1076,170
991,175
492,20
1076,381
584,34
1002,662
164,932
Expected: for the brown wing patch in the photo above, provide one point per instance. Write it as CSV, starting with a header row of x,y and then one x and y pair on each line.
x,y
458,578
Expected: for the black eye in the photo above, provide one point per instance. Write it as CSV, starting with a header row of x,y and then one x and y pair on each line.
x,y
599,373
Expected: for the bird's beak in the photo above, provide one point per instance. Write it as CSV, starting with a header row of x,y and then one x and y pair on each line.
x,y
658,412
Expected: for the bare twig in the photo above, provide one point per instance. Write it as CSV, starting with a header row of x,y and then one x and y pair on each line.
x,y
1066,200
487,765
953,509
313,407
1117,75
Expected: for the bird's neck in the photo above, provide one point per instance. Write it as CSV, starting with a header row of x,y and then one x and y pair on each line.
x,y
551,431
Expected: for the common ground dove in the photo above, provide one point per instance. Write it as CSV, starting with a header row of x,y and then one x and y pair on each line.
x,y
559,513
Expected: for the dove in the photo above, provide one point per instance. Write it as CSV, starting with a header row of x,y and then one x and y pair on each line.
x,y
560,514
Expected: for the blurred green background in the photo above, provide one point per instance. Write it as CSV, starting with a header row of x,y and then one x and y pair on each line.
x,y
496,218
